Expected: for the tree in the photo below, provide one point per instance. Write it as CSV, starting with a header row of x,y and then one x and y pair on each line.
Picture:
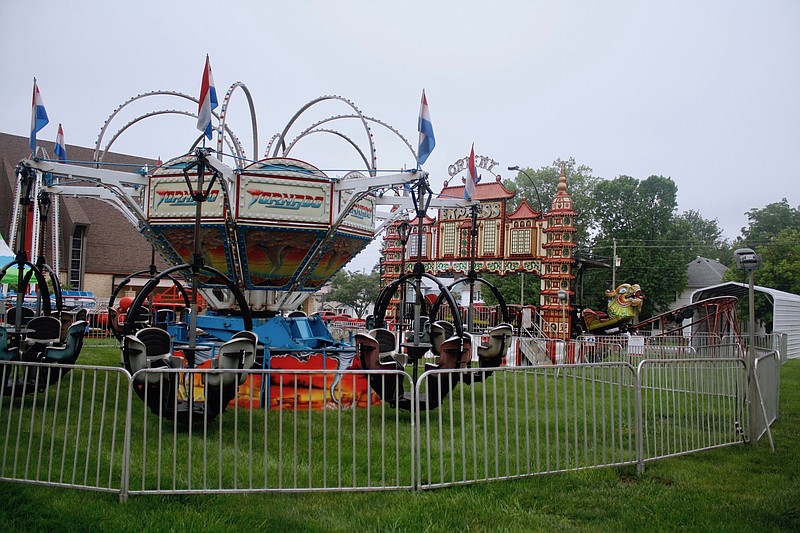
x,y
509,287
355,290
654,243
773,232
767,222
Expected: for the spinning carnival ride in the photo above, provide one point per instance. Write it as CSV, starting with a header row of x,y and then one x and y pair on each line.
x,y
254,241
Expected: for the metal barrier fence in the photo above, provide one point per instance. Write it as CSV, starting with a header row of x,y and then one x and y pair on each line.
x,y
326,430
767,372
525,421
64,426
689,405
350,444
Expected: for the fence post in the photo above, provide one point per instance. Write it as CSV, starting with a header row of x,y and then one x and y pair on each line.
x,y
638,431
126,446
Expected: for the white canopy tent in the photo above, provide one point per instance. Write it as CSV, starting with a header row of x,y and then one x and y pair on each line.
x,y
785,309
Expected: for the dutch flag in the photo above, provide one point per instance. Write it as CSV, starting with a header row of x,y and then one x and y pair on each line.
x,y
208,101
61,148
472,177
38,115
426,139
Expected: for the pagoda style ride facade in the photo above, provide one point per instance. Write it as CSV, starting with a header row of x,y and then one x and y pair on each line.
x,y
523,240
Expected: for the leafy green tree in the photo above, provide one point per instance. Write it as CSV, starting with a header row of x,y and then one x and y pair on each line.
x,y
773,232
355,290
509,287
767,222
654,243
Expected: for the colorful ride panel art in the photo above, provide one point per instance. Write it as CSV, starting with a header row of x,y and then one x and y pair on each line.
x,y
314,388
283,211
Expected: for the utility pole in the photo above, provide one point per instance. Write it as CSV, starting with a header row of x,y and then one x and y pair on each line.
x,y
614,266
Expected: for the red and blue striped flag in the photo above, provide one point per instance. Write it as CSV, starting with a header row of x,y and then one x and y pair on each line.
x,y
61,148
38,115
425,127
208,100
472,177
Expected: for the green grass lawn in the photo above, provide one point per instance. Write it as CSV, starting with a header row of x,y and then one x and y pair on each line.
x,y
740,488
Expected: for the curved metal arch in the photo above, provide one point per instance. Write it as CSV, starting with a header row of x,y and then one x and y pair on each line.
x,y
150,286
140,118
338,134
369,119
269,144
223,115
128,102
495,292
313,127
385,297
34,271
282,136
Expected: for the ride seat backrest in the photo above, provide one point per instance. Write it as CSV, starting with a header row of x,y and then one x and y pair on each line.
x,y
11,316
386,340
296,314
7,353
46,330
73,343
497,341
449,329
158,342
455,352
437,338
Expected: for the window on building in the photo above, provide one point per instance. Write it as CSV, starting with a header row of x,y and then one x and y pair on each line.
x,y
413,250
76,248
448,239
490,239
521,241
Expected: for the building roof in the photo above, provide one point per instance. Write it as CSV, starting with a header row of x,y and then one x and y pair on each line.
x,y
785,309
703,272
113,244
524,210
484,190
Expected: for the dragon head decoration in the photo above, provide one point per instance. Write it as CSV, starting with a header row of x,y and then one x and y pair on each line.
x,y
625,301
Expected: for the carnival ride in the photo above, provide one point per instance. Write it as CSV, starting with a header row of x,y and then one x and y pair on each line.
x,y
252,242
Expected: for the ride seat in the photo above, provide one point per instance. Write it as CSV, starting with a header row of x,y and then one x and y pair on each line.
x,y
250,362
453,353
7,353
387,345
46,330
69,351
158,342
440,331
135,351
492,353
236,354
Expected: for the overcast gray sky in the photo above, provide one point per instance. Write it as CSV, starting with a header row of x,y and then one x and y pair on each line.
x,y
704,92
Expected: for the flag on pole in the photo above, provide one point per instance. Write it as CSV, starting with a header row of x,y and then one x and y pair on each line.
x,y
472,178
61,148
38,115
208,100
426,139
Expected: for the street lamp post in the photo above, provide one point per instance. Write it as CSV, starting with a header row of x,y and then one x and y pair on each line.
x,y
535,188
538,199
562,298
404,232
749,261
